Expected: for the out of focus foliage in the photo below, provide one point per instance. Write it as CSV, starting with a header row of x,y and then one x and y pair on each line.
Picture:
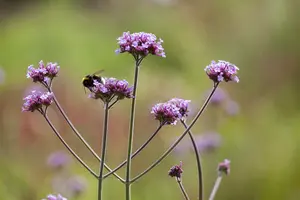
x,y
260,37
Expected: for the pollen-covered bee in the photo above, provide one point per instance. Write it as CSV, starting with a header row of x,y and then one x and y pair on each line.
x,y
88,80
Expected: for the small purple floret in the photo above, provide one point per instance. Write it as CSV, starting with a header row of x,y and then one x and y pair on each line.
x,y
171,111
166,113
224,167
140,44
176,171
43,73
182,105
222,71
111,87
36,100
54,197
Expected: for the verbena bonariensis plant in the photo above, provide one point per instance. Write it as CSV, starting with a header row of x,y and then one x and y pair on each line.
x,y
110,91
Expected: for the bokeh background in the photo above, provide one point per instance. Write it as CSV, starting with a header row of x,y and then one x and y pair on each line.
x,y
254,123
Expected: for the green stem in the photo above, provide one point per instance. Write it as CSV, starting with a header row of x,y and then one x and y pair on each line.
x,y
199,167
135,153
131,131
182,189
216,187
179,139
80,136
68,147
104,141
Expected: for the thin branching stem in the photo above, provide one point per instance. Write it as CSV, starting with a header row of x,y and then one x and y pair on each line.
x,y
103,153
68,147
112,104
80,136
135,153
180,138
198,159
131,131
184,193
215,188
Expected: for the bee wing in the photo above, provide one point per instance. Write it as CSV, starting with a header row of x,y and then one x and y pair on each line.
x,y
98,72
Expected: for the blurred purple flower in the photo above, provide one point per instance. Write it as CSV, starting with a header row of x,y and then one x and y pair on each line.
x,y
166,113
208,142
232,108
43,73
58,160
182,105
2,76
53,197
36,100
218,97
224,167
222,71
176,171
110,88
140,44
76,185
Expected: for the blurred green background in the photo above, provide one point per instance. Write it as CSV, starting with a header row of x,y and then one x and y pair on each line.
x,y
261,37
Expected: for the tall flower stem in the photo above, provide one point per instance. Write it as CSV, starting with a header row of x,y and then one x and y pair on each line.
x,y
216,187
131,130
180,138
103,153
79,135
198,159
135,153
68,147
182,189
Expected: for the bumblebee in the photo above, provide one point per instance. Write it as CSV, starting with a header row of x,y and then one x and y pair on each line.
x,y
88,80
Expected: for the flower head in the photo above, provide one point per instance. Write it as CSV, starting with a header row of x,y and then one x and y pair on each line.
x,y
222,71
224,167
166,113
176,171
119,88
182,105
110,88
140,44
36,100
58,160
43,73
54,197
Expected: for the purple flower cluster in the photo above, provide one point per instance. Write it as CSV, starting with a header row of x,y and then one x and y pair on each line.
x,y
43,73
140,44
54,197
222,71
182,105
110,88
171,111
224,167
176,171
36,100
